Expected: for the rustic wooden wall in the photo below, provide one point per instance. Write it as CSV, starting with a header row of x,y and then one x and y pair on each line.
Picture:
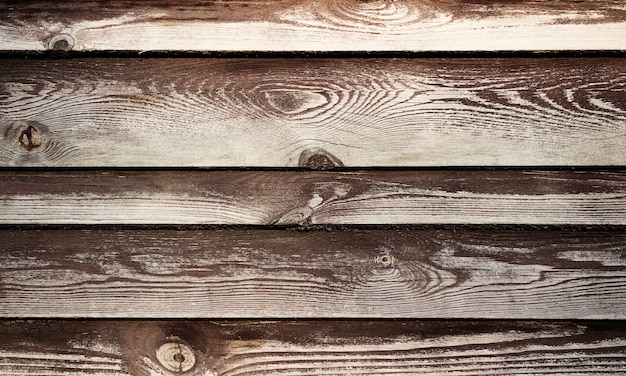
x,y
330,187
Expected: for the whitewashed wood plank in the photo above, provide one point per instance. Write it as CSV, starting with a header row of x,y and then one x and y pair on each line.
x,y
308,25
279,112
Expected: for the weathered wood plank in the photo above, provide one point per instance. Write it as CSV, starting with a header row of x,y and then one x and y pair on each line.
x,y
327,25
295,197
283,274
272,112
312,348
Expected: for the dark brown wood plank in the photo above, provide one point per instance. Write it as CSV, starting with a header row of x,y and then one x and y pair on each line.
x,y
251,348
276,112
326,25
282,274
295,197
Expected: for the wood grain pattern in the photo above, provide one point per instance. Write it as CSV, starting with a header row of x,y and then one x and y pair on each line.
x,y
283,274
296,197
315,348
272,112
310,25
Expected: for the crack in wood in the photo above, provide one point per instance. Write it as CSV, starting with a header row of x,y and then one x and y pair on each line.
x,y
176,356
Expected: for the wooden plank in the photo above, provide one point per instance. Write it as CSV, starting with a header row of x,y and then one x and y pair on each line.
x,y
282,274
310,25
295,197
311,348
275,112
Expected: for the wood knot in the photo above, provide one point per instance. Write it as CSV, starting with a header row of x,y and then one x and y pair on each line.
x,y
29,135
318,159
176,357
61,42
294,102
386,260
29,139
298,216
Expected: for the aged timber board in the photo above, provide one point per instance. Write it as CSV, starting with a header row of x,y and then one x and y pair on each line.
x,y
251,348
551,197
134,273
103,112
310,25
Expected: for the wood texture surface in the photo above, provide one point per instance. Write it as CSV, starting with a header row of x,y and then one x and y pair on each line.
x,y
283,274
296,197
317,114
310,25
272,112
312,348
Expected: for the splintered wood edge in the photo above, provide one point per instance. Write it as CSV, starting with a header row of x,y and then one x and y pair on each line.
x,y
221,348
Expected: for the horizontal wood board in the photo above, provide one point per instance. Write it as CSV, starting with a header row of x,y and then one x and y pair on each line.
x,y
102,112
251,348
297,197
399,273
310,25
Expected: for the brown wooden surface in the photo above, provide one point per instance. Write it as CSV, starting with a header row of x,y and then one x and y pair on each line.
x,y
318,114
277,273
313,348
271,112
296,197
326,25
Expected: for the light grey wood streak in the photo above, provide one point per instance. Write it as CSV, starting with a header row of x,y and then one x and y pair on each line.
x,y
391,273
313,348
313,25
274,112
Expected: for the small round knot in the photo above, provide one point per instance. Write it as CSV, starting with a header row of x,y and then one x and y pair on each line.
x,y
61,42
176,357
386,260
